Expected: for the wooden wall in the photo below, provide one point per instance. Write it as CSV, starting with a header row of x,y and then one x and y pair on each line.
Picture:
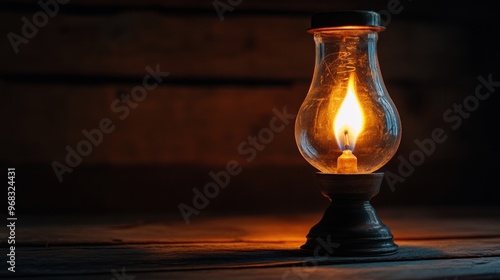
x,y
225,78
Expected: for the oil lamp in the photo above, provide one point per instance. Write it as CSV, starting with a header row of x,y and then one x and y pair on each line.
x,y
348,127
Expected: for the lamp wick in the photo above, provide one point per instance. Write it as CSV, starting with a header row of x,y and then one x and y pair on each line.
x,y
346,140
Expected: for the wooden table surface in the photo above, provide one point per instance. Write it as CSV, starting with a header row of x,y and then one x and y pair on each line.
x,y
446,243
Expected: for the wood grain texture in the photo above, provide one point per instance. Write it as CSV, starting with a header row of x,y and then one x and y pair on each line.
x,y
266,47
254,246
123,44
408,224
468,269
62,260
181,124
178,123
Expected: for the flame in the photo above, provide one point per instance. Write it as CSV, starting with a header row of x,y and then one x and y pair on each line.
x,y
349,118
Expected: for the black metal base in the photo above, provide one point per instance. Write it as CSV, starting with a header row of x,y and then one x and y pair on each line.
x,y
350,225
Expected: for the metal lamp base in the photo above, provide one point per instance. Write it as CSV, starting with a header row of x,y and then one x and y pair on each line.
x,y
350,225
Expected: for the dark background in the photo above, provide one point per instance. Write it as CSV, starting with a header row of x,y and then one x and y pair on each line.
x,y
226,76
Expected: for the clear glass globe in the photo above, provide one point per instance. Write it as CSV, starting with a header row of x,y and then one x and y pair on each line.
x,y
347,109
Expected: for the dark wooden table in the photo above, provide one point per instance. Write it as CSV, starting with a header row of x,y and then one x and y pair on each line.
x,y
446,243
